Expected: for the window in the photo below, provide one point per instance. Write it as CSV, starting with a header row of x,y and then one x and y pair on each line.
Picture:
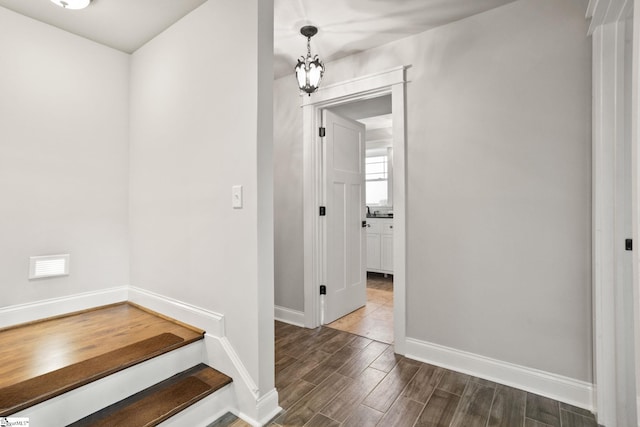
x,y
377,180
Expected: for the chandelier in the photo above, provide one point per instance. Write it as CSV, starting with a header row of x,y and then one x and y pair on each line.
x,y
310,69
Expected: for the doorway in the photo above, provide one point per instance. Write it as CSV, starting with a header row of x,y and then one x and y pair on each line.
x,y
372,318
388,83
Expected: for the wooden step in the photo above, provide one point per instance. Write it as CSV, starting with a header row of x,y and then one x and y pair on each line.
x,y
161,401
47,358
35,390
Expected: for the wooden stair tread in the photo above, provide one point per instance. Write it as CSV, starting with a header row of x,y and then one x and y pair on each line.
x,y
36,348
26,393
161,401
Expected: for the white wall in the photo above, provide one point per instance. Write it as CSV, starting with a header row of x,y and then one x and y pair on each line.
x,y
498,183
287,137
200,123
63,160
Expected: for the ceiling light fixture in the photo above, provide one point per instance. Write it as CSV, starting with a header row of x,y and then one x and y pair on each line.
x,y
72,4
310,69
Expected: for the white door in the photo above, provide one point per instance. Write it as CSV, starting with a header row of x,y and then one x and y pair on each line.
x,y
345,249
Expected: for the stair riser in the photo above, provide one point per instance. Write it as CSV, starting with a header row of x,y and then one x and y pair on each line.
x,y
204,412
92,397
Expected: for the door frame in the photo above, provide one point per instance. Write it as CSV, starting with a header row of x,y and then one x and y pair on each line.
x,y
392,82
607,27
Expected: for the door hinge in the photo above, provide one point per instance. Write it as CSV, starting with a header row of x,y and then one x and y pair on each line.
x,y
323,290
628,244
322,132
323,211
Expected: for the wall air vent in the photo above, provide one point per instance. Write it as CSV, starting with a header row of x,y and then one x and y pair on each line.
x,y
48,266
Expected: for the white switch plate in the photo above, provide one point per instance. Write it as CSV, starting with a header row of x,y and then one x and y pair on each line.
x,y
236,196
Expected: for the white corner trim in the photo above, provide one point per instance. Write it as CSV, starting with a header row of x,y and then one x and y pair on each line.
x,y
267,409
286,315
557,387
251,407
23,313
239,366
211,322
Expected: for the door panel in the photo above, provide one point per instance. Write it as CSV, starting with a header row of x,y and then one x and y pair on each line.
x,y
338,242
345,250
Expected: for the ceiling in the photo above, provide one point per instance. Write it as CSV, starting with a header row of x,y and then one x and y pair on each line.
x,y
122,24
345,26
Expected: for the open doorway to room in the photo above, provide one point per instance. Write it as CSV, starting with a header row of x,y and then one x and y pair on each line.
x,y
319,307
374,319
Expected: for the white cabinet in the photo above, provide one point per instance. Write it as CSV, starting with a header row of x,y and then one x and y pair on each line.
x,y
380,245
373,252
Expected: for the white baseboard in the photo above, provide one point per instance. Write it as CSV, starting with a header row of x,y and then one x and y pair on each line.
x,y
23,313
558,387
207,320
268,407
287,315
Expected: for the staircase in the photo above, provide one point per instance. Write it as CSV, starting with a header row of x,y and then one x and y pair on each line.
x,y
114,365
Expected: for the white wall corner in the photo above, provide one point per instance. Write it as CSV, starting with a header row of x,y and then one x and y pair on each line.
x,y
557,387
23,313
286,315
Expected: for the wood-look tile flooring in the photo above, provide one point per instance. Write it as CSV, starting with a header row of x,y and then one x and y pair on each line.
x,y
34,349
327,377
375,319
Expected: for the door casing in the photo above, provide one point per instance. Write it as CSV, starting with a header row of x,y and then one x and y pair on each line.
x,y
612,402
371,86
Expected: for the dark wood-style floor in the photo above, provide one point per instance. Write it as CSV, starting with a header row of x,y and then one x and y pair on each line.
x,y
327,377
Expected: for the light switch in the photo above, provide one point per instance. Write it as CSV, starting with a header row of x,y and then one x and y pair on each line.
x,y
236,196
